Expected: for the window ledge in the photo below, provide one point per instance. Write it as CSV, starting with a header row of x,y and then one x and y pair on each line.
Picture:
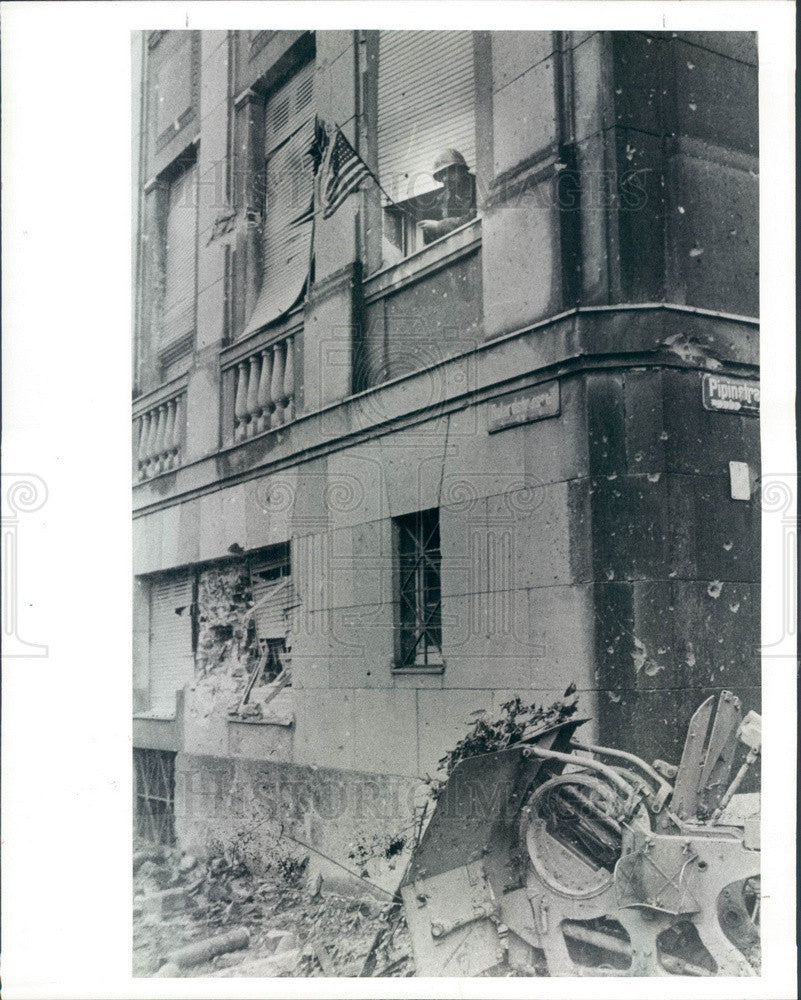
x,y
434,668
160,715
277,712
432,258
282,719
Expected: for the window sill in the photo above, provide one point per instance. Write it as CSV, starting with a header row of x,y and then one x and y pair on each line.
x,y
283,720
431,258
434,668
159,715
278,711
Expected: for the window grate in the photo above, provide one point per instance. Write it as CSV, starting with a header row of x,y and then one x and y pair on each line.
x,y
154,783
420,602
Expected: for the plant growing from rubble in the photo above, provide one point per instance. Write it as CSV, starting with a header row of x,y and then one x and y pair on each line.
x,y
249,854
378,847
490,736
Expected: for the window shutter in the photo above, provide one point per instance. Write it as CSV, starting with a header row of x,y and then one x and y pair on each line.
x,y
179,257
173,80
426,101
273,596
289,132
171,658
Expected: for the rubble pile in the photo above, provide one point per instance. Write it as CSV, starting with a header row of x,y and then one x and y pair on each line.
x,y
216,917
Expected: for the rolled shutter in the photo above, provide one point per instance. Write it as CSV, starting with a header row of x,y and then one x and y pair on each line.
x,y
273,596
179,257
289,131
171,658
173,80
426,101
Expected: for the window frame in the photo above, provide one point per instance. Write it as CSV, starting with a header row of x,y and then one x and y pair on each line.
x,y
154,795
418,575
407,211
269,145
172,351
274,559
184,576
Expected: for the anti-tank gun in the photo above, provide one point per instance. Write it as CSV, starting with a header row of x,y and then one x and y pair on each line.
x,y
559,857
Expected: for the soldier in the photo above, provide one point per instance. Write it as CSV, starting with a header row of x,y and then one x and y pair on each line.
x,y
457,199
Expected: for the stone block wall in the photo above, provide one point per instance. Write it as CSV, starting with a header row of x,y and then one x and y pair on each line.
x,y
264,810
676,564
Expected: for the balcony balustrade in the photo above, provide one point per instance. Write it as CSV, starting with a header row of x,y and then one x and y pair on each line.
x,y
263,390
159,436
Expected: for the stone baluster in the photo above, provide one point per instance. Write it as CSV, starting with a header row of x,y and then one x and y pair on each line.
x,y
167,454
277,388
143,446
158,447
177,430
253,393
160,436
289,383
240,402
150,447
141,452
264,397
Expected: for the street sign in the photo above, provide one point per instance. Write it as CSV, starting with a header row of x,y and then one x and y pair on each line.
x,y
732,395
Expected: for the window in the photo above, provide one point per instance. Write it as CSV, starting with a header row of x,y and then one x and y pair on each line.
x,y
179,235
419,599
273,596
289,187
171,639
172,82
426,104
154,781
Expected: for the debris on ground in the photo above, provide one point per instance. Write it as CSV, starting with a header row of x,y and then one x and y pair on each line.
x,y
544,855
217,917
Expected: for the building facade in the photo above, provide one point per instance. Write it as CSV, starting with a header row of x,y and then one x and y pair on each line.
x,y
382,483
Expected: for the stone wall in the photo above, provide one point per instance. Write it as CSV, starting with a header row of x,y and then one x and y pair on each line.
x,y
260,808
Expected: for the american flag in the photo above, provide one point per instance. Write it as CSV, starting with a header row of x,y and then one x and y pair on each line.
x,y
343,172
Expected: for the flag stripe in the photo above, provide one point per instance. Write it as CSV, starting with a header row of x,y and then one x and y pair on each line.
x,y
335,200
344,170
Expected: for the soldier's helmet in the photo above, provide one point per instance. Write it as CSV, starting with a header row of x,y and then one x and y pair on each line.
x,y
447,158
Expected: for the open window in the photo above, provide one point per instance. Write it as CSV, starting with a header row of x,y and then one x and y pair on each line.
x,y
426,107
274,603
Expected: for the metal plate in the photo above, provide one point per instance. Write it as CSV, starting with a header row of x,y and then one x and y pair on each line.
x,y
448,919
477,814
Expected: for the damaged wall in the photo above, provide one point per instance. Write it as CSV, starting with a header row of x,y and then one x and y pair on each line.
x,y
257,804
226,647
676,558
